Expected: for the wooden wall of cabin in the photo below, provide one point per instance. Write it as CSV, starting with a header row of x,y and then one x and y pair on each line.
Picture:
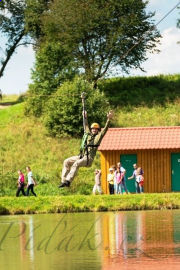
x,y
155,163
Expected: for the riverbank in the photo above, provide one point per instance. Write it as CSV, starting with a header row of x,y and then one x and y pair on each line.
x,y
88,203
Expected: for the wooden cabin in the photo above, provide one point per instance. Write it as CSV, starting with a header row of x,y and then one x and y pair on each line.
x,y
155,149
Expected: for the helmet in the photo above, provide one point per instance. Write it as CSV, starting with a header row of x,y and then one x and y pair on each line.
x,y
95,125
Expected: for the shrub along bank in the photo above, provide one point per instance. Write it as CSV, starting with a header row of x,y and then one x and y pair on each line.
x,y
82,203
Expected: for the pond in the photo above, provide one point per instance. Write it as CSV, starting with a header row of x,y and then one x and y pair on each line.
x,y
110,240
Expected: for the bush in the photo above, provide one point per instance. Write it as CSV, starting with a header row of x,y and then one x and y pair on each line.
x,y
64,110
7,180
140,91
52,68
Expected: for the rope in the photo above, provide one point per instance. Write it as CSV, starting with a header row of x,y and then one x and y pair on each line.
x,y
152,28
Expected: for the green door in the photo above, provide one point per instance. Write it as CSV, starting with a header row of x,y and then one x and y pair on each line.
x,y
127,162
175,167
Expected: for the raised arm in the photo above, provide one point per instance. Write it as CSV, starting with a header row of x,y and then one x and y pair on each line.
x,y
109,117
86,122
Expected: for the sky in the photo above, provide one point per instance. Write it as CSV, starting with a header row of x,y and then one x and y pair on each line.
x,y
17,75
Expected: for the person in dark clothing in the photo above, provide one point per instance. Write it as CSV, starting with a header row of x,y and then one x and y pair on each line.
x,y
31,182
20,184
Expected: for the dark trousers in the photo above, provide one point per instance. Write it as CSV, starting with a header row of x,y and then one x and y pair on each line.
x,y
20,188
31,187
111,188
137,187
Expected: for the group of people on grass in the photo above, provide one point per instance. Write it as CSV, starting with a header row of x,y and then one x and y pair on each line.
x,y
21,183
117,180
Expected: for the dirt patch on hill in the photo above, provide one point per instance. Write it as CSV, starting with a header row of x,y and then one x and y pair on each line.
x,y
4,106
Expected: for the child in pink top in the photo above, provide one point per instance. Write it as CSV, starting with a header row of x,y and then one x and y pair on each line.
x,y
118,178
20,184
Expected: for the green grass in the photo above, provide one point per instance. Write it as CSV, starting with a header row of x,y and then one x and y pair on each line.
x,y
82,203
158,115
24,140
141,91
9,99
12,114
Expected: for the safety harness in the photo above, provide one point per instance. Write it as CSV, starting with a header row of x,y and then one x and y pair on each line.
x,y
84,146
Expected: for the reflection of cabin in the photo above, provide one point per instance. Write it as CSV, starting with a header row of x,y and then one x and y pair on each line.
x,y
141,239
155,149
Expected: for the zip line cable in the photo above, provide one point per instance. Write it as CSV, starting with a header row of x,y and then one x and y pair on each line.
x,y
152,28
169,12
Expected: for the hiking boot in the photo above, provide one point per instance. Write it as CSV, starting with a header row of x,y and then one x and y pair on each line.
x,y
65,184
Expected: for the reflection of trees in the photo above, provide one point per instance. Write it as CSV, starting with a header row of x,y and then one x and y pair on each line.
x,y
31,237
22,238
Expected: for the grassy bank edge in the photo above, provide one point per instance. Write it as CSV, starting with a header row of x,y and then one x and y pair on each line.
x,y
88,203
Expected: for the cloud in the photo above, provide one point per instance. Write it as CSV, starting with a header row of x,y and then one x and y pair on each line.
x,y
27,50
17,74
167,61
154,2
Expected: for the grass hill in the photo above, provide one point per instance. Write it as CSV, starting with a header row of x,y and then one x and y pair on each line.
x,y
24,141
144,101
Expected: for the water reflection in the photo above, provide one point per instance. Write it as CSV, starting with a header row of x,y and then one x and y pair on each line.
x,y
135,240
123,234
22,238
122,240
31,238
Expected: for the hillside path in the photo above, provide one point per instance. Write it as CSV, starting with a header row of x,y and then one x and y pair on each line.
x,y
5,105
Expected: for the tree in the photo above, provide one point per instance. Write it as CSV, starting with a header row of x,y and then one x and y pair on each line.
x,y
12,25
99,33
52,68
53,65
64,109
20,24
34,10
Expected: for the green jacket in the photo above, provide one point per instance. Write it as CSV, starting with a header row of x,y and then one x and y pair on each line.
x,y
94,140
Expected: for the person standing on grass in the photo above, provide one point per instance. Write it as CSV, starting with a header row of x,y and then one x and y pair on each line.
x,y
140,180
110,179
134,177
20,184
31,181
115,183
118,179
97,186
123,181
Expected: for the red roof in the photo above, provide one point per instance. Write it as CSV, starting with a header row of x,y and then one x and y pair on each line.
x,y
141,138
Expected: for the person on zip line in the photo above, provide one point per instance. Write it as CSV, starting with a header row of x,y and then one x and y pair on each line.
x,y
90,142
